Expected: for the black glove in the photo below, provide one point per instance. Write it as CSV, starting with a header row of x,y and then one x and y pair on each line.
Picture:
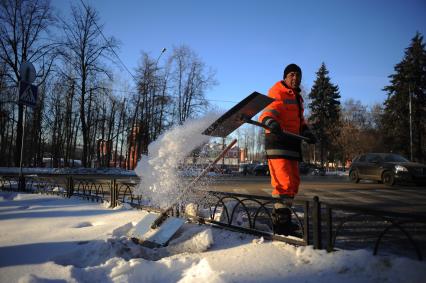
x,y
273,125
308,134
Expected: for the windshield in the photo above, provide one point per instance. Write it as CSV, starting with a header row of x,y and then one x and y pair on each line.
x,y
395,158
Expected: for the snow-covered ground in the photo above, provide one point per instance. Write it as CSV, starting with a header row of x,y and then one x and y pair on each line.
x,y
44,238
337,173
95,171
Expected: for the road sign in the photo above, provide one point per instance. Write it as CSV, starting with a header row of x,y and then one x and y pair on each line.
x,y
27,72
27,94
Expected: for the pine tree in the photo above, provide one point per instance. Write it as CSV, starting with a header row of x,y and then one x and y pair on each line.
x,y
325,111
408,80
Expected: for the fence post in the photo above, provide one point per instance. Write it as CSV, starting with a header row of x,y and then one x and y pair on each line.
x,y
316,223
113,193
329,231
22,187
306,229
70,186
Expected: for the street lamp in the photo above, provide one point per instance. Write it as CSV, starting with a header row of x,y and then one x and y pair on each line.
x,y
162,51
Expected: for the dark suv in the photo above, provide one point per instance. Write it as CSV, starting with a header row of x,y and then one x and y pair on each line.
x,y
387,168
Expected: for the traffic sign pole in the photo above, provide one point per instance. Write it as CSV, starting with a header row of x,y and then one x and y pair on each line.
x,y
27,97
22,186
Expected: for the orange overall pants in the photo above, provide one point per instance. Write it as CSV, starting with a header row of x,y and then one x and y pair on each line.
x,y
285,178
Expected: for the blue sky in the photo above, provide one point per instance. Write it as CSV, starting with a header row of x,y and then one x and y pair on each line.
x,y
250,42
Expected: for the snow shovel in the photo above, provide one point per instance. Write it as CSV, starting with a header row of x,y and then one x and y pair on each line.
x,y
155,230
242,113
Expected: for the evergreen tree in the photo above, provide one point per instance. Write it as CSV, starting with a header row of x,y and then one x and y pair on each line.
x,y
325,111
408,80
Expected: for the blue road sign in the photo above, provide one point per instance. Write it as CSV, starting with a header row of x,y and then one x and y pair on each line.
x,y
27,94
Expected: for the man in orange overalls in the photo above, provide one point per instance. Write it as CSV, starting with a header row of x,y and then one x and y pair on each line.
x,y
284,153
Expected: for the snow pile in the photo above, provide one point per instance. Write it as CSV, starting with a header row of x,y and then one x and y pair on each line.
x,y
337,173
193,240
170,270
158,170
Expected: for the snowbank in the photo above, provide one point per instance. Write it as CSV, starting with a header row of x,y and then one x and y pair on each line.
x,y
46,238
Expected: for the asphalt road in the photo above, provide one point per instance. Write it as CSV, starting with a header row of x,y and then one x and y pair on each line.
x,y
335,189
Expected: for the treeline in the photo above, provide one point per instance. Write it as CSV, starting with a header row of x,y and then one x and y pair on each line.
x,y
399,125
83,114
346,129
80,113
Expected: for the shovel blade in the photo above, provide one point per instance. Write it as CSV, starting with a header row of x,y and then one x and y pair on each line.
x,y
159,236
144,225
232,119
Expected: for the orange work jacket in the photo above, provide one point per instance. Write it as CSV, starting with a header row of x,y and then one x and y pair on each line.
x,y
287,110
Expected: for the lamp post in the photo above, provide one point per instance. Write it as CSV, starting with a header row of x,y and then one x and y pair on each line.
x,y
411,121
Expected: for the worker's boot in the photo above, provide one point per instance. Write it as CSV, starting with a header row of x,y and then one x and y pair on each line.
x,y
281,220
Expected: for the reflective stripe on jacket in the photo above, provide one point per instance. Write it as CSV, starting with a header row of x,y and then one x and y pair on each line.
x,y
287,110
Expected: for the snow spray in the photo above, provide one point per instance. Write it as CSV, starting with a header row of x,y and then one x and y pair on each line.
x,y
160,183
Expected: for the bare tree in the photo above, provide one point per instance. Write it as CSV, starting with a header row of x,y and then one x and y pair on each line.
x,y
152,105
84,51
359,129
190,81
23,38
6,118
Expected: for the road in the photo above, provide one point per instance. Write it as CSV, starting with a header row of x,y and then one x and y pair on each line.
x,y
335,189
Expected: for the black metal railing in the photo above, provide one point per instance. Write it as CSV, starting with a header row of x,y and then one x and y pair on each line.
x,y
253,214
339,225
359,227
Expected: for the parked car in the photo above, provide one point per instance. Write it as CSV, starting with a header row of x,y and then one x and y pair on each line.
x,y
317,170
309,168
246,168
261,170
387,168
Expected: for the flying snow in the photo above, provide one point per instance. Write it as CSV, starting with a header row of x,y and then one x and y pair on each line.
x,y
160,183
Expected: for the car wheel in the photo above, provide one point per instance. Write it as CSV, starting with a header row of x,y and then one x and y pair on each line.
x,y
388,178
353,176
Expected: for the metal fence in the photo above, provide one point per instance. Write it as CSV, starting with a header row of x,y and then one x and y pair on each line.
x,y
323,225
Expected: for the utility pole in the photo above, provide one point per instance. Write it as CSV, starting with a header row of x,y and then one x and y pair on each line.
x,y
223,147
411,121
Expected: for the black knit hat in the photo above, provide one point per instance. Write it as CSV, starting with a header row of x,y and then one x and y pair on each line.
x,y
292,68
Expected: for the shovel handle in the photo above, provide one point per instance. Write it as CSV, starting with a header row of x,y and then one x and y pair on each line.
x,y
163,215
284,133
207,169
160,219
